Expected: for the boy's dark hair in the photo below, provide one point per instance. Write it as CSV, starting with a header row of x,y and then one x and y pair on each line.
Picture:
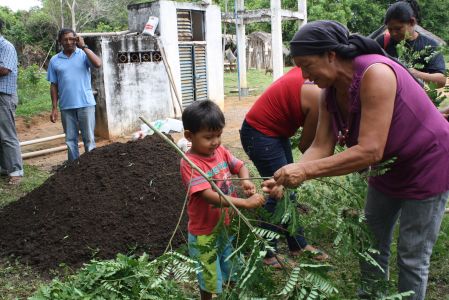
x,y
64,31
1,25
203,115
403,11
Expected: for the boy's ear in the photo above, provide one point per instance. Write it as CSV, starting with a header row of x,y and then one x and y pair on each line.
x,y
188,135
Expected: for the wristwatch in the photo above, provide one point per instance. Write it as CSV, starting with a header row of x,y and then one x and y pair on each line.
x,y
84,47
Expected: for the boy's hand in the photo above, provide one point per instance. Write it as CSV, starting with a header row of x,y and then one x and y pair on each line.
x,y
248,188
275,191
254,201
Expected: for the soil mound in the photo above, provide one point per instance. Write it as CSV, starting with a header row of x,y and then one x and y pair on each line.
x,y
118,198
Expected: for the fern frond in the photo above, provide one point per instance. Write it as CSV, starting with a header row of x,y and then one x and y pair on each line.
x,y
291,282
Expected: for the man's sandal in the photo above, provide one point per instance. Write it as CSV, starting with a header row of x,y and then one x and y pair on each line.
x,y
320,255
317,254
14,180
274,263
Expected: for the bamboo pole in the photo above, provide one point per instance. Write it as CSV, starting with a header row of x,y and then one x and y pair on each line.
x,y
212,183
45,151
113,33
45,139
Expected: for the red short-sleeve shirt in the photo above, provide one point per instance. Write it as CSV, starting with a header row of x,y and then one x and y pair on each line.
x,y
203,217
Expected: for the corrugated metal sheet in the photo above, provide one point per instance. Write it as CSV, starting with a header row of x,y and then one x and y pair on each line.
x,y
200,72
187,80
193,73
184,25
192,58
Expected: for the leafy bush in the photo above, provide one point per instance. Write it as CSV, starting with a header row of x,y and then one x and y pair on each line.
x,y
416,59
33,92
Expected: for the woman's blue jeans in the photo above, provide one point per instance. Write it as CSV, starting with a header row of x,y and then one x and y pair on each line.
x,y
75,120
268,155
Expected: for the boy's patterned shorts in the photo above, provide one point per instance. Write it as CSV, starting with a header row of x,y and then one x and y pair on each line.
x,y
211,261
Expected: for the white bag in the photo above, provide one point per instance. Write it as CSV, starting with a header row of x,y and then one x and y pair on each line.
x,y
184,144
151,25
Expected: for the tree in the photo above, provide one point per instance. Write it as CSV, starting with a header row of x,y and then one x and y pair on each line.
x,y
366,16
87,14
435,17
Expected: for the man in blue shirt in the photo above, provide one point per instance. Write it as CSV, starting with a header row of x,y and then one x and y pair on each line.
x,y
69,75
10,156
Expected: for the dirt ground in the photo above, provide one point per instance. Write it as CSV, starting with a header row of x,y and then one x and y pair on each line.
x,y
40,126
120,198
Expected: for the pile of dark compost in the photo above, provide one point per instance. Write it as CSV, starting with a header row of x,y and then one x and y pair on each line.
x,y
121,198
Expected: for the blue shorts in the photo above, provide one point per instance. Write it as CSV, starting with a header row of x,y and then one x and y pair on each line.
x,y
215,269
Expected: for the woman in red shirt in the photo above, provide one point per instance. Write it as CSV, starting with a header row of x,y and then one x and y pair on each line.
x,y
288,104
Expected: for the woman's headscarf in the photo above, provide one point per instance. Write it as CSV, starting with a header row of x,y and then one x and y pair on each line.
x,y
320,36
317,37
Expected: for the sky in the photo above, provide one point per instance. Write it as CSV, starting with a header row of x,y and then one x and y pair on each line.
x,y
15,5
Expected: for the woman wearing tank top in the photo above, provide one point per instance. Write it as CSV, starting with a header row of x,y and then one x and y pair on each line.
x,y
375,107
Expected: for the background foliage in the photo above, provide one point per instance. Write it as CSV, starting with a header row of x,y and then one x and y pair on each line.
x,y
33,32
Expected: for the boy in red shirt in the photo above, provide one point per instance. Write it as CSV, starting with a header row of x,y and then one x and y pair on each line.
x,y
203,125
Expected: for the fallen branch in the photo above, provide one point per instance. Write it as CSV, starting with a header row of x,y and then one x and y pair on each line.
x,y
213,185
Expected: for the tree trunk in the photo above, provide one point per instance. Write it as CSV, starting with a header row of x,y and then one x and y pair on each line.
x,y
62,14
72,12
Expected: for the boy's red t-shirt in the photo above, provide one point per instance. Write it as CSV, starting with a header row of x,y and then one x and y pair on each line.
x,y
203,217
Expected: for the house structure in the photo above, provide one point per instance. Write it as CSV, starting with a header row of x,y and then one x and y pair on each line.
x,y
133,80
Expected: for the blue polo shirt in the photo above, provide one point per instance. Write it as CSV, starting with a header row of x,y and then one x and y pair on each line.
x,y
8,60
72,75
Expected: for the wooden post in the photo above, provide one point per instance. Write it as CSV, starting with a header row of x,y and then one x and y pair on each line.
x,y
241,47
302,9
276,39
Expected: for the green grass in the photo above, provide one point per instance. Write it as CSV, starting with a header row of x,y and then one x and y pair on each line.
x,y
438,286
33,92
32,179
257,81
17,281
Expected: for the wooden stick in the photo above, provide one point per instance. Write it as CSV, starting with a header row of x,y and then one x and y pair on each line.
x,y
212,183
169,73
238,179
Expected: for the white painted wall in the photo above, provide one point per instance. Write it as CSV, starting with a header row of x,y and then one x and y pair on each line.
x,y
168,28
214,55
215,80
133,89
